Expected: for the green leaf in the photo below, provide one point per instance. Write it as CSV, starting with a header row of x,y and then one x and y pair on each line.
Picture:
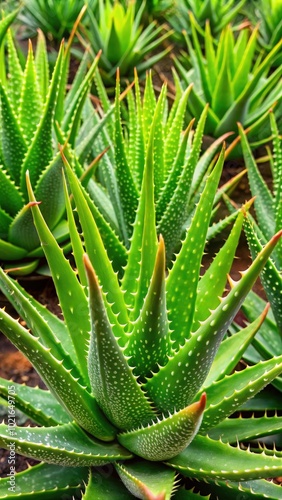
x,y
143,249
116,390
70,292
101,488
233,430
126,184
229,393
6,22
74,397
40,151
263,198
236,344
189,379
10,196
42,66
31,104
165,438
149,342
209,459
39,405
211,285
44,481
182,292
270,276
258,489
95,247
147,480
13,144
175,215
64,445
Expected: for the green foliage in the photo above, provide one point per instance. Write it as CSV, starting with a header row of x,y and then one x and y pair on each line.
x,y
141,381
30,105
116,29
54,17
236,88
268,209
179,168
218,13
269,15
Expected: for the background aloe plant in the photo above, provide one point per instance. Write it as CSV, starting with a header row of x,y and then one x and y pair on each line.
x,y
133,391
54,17
30,105
269,15
218,13
237,89
117,31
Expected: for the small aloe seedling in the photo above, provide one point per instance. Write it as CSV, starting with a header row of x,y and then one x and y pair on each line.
x,y
140,383
227,78
30,105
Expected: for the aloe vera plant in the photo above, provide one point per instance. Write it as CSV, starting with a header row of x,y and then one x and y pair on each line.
x,y
30,105
179,167
54,17
236,88
269,15
218,13
117,30
140,384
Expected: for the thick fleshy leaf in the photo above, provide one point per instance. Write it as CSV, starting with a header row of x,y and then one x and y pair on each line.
x,y
143,247
263,198
103,484
40,151
71,295
183,278
258,489
271,276
147,480
39,405
195,362
10,196
31,103
230,392
243,429
13,144
96,249
212,284
112,380
46,482
206,458
236,345
167,437
74,397
149,342
64,445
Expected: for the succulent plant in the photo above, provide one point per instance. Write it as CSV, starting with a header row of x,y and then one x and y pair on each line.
x,y
179,167
55,18
269,15
30,105
140,384
117,31
237,89
218,13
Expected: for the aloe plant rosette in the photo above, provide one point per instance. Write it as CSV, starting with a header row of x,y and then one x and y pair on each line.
x,y
140,384
30,106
